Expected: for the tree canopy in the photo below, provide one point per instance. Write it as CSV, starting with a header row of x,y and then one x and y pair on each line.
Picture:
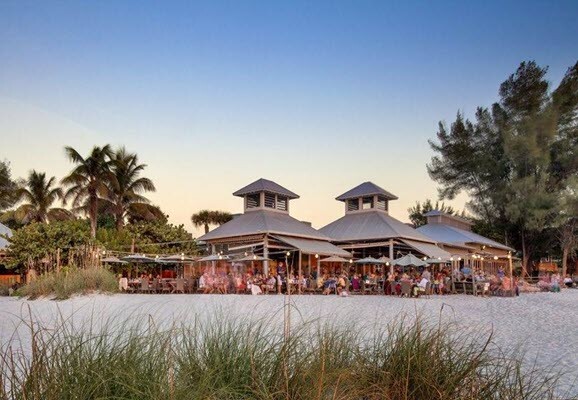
x,y
514,159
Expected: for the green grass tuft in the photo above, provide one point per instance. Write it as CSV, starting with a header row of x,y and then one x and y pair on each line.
x,y
62,285
247,360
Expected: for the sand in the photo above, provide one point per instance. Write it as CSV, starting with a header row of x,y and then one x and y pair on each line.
x,y
543,325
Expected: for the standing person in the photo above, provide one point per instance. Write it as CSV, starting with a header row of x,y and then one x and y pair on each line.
x,y
426,274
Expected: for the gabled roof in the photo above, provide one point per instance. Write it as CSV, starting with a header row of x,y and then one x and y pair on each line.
x,y
263,221
447,234
366,189
4,230
264,185
370,225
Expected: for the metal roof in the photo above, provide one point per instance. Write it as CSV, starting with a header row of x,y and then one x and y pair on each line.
x,y
436,213
312,246
370,225
264,185
263,221
451,235
4,230
428,249
366,189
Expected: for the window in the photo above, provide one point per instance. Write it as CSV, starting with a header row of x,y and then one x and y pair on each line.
x,y
281,203
367,203
381,203
253,200
352,205
269,200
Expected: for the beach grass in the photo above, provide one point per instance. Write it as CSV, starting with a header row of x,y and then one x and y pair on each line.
x,y
61,285
223,359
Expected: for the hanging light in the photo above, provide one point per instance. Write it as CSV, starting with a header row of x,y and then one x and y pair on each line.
x,y
288,254
452,258
495,257
316,255
350,261
459,259
254,257
387,263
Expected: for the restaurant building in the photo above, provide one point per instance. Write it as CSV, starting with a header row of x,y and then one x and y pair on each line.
x,y
367,229
454,235
266,228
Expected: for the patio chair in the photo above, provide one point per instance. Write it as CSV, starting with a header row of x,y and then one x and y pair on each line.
x,y
427,291
166,287
180,286
144,286
154,286
406,288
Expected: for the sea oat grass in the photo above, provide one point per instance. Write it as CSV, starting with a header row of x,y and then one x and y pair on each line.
x,y
62,285
246,360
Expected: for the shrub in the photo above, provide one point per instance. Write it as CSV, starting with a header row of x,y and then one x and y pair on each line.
x,y
62,285
224,360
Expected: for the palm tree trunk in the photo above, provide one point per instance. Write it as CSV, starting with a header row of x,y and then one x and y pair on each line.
x,y
206,228
93,215
119,219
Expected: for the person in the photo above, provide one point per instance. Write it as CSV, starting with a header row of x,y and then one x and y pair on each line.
x,y
501,273
426,274
420,287
122,283
568,282
341,284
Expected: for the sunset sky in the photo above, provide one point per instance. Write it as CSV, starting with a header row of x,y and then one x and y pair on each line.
x,y
317,96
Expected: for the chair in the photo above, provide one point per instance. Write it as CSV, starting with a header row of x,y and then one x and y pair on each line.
x,y
155,286
166,287
428,289
406,288
180,286
144,286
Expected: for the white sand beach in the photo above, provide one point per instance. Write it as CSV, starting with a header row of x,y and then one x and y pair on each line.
x,y
543,325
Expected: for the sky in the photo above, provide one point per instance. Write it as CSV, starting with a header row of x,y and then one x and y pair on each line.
x,y
316,96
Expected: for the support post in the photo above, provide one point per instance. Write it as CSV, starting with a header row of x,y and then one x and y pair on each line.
x,y
266,255
391,256
299,273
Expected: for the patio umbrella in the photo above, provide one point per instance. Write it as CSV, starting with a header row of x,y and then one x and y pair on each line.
x,y
369,260
435,261
333,259
214,257
385,259
177,258
113,260
409,260
138,258
253,258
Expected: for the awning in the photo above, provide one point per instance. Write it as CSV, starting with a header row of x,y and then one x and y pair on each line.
x,y
428,249
312,246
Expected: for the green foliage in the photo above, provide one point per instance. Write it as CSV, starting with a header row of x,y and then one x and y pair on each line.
x,y
87,182
36,242
515,159
246,360
71,281
205,218
147,236
417,212
8,195
39,194
125,198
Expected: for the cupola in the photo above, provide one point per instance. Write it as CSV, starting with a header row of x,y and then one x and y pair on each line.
x,y
366,197
264,194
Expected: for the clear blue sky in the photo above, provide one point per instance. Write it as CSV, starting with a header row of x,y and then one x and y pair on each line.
x,y
318,96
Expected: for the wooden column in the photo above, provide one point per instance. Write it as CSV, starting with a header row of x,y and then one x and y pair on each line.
x,y
299,273
391,256
266,255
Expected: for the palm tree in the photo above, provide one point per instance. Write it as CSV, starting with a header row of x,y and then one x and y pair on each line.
x,y
202,218
206,217
221,217
87,183
126,187
38,194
